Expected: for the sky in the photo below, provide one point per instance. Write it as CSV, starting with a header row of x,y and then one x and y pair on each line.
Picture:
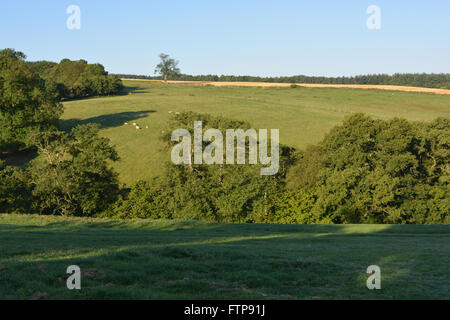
x,y
245,37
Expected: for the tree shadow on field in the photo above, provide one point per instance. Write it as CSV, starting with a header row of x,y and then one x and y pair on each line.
x,y
19,158
192,259
132,90
106,120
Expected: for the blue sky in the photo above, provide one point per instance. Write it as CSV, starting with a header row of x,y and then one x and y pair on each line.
x,y
253,37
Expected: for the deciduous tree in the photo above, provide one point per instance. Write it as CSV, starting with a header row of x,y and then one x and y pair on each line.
x,y
167,67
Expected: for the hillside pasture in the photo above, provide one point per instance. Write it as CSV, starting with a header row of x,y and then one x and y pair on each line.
x,y
303,115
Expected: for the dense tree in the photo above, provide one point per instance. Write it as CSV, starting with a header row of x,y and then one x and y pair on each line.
x,y
384,171
27,104
15,193
167,67
42,68
304,173
78,79
294,207
143,200
74,176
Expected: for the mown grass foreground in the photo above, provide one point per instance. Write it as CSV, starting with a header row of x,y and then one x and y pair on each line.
x,y
164,259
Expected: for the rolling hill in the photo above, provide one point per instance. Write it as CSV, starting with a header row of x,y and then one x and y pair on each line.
x,y
302,114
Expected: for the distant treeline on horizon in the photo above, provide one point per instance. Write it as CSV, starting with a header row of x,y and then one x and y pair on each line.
x,y
438,80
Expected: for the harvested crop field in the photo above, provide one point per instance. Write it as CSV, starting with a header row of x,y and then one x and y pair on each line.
x,y
306,85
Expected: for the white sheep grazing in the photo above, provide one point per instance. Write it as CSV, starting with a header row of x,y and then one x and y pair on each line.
x,y
137,128
126,123
134,123
146,127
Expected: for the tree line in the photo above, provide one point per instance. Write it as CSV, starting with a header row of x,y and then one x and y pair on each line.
x,y
77,79
71,174
438,80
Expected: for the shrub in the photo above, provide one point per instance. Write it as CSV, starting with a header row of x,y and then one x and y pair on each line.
x,y
15,194
74,177
385,171
292,207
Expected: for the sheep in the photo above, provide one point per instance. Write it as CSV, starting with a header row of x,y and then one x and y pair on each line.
x,y
126,123
146,127
137,128
134,123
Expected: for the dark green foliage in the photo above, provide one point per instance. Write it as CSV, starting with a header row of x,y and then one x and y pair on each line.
x,y
27,104
78,79
294,207
303,174
378,171
42,67
74,178
15,194
143,200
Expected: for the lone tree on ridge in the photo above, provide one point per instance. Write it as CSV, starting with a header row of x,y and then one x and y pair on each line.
x,y
167,67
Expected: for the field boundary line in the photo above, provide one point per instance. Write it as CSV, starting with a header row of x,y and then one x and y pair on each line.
x,y
306,85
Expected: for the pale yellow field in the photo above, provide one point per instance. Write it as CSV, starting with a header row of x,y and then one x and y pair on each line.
x,y
308,85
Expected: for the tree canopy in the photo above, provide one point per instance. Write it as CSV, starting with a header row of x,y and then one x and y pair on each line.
x,y
27,103
167,67
74,178
78,79
72,173
381,171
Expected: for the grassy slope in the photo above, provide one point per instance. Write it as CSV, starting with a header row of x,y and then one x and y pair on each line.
x,y
197,260
303,115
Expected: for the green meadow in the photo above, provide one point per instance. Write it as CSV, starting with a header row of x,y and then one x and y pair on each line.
x,y
303,115
162,259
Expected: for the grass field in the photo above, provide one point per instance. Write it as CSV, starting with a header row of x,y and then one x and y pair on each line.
x,y
303,115
197,260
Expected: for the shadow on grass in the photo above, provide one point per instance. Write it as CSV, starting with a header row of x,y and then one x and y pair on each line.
x,y
106,120
20,158
191,259
125,91
133,90
201,228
